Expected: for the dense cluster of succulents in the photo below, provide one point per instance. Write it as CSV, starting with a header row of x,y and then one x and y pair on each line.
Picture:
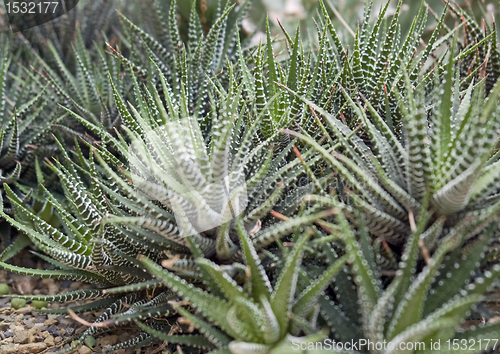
x,y
271,201
27,112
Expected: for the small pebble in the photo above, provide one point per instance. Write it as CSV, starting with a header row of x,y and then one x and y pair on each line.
x,y
21,337
34,347
50,322
38,304
70,331
109,340
4,289
65,322
28,323
8,334
84,350
54,330
32,337
24,310
66,283
124,337
40,326
76,285
50,284
8,340
89,341
17,303
40,319
49,341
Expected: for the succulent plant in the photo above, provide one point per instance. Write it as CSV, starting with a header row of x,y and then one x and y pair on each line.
x,y
27,113
420,305
448,153
183,198
487,56
254,318
171,187
84,87
91,19
192,64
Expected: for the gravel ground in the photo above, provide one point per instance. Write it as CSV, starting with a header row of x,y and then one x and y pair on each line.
x,y
27,331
